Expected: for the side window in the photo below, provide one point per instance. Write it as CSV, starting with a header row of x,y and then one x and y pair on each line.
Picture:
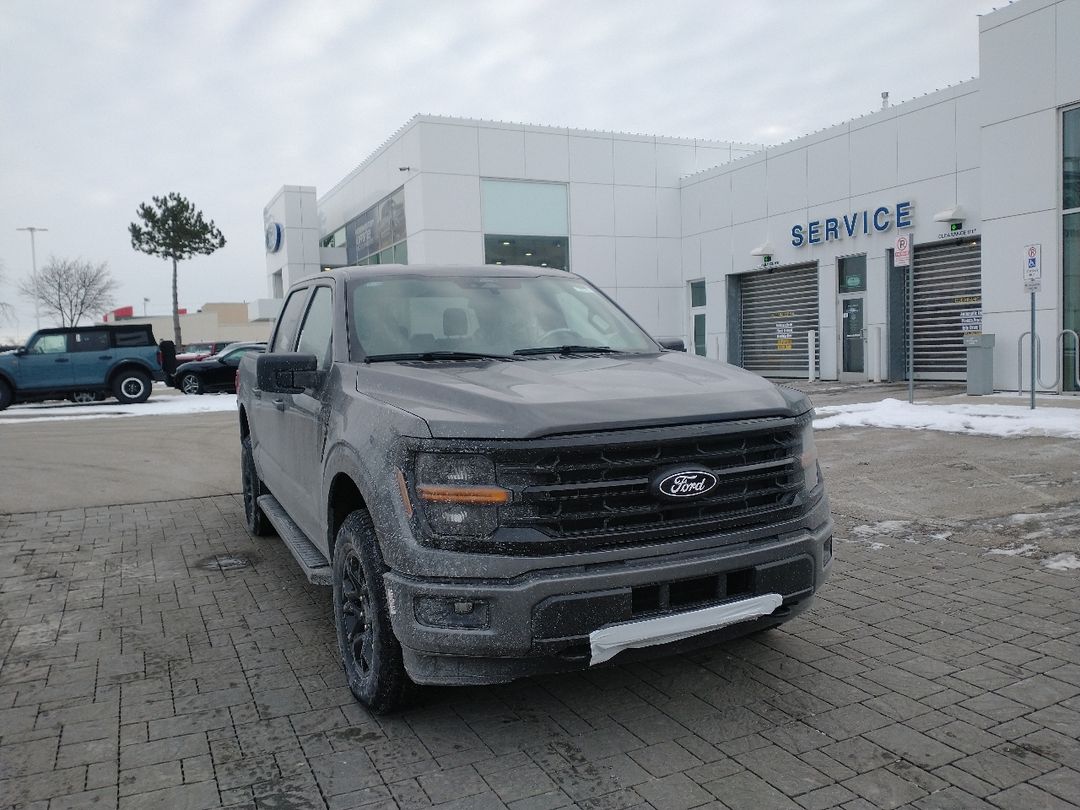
x,y
233,358
316,335
89,341
126,338
288,320
49,344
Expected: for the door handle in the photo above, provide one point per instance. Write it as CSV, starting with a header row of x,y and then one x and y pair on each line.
x,y
61,360
104,357
279,404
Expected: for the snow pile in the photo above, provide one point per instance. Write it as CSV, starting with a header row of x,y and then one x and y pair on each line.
x,y
982,420
163,405
1025,550
1065,561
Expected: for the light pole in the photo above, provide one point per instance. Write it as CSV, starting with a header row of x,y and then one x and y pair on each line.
x,y
33,259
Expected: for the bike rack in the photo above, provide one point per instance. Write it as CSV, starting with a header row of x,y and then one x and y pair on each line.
x,y
1052,387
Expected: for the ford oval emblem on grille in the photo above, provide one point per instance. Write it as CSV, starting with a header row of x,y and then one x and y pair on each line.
x,y
688,483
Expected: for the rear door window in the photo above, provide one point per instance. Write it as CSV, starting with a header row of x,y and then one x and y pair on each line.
x,y
95,340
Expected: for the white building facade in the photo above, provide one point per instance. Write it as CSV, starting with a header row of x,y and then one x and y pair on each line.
x,y
779,259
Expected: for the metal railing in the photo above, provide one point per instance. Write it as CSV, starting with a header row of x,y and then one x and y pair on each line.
x,y
1058,367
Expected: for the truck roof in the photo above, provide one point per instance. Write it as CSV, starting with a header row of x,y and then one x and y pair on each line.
x,y
436,270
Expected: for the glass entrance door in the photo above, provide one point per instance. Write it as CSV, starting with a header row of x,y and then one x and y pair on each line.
x,y
853,339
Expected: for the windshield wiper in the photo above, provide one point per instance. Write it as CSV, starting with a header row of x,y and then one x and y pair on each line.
x,y
437,355
569,349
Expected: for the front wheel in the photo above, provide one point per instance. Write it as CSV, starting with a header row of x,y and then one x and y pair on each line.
x,y
191,384
131,386
6,395
254,517
369,651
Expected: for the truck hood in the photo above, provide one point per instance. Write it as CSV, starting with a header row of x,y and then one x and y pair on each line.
x,y
542,396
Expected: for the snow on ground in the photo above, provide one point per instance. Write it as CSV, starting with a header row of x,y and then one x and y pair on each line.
x,y
159,404
1065,561
983,420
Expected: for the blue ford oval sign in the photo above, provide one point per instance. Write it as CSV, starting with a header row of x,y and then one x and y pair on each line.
x,y
686,483
272,236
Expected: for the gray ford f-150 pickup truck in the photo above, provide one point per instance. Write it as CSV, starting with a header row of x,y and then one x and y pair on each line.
x,y
501,474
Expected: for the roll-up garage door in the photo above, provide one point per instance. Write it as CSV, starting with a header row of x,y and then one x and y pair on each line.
x,y
777,309
948,304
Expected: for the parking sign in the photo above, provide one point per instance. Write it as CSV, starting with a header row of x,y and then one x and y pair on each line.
x,y
902,251
1033,268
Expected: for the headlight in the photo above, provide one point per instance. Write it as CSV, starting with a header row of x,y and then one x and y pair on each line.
x,y
808,457
457,493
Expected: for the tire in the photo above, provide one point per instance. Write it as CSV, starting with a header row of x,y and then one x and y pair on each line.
x,y
131,386
256,522
191,384
6,395
369,651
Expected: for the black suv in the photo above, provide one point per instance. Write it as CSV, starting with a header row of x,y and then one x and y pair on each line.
x,y
501,474
84,363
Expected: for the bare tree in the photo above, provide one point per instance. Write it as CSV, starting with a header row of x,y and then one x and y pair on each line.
x,y
5,308
71,289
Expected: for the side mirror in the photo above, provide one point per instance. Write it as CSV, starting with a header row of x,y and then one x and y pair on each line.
x,y
20,351
286,373
672,344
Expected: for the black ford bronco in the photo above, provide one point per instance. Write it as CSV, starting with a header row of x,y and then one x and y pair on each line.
x,y
501,474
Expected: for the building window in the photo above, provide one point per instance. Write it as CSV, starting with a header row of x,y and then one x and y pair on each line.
x,y
1070,164
525,223
851,274
377,236
697,317
336,239
1070,242
533,251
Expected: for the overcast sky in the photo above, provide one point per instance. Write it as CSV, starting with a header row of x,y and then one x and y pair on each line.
x,y
103,105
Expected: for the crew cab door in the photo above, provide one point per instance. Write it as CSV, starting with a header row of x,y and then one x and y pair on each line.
x,y
307,416
46,364
91,355
267,418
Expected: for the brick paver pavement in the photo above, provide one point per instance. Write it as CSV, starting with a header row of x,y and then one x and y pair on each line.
x,y
142,670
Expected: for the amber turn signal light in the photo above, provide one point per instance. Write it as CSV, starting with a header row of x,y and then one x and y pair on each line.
x,y
474,495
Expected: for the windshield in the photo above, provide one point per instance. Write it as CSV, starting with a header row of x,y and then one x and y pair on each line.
x,y
495,315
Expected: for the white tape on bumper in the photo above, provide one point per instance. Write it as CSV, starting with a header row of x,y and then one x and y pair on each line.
x,y
607,642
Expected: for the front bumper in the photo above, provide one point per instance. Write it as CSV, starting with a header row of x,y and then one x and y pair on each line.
x,y
541,622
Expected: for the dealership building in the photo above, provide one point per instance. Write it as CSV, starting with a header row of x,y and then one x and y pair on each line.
x,y
781,259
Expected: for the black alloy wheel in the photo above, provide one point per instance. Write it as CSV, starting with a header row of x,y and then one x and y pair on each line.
x,y
254,518
370,653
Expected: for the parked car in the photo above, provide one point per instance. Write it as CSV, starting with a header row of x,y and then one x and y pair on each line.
x,y
85,363
501,474
200,351
214,373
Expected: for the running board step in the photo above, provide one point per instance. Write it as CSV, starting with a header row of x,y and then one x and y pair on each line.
x,y
310,559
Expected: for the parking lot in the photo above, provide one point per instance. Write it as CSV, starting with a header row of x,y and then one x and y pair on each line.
x,y
155,655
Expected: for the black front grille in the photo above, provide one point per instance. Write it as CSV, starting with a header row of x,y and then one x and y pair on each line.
x,y
602,494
